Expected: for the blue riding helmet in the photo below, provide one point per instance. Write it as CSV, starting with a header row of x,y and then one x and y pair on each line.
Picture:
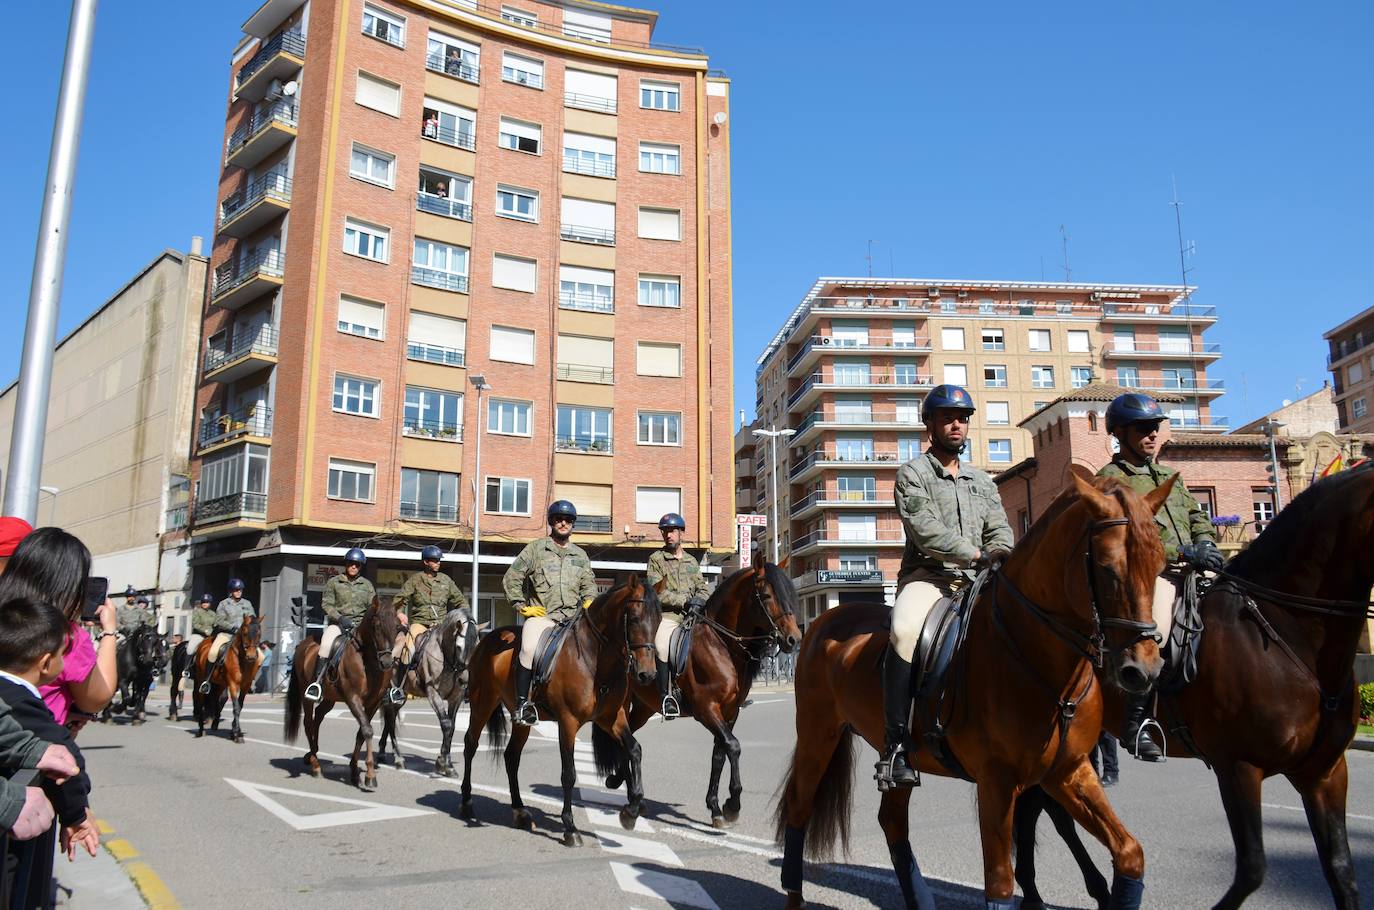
x,y
129,591
431,552
947,396
206,598
1132,407
142,599
672,520
236,584
355,555
562,508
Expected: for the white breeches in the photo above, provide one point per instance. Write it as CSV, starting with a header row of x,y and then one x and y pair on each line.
x,y
1165,593
663,640
331,635
221,639
529,638
914,601
406,646
193,643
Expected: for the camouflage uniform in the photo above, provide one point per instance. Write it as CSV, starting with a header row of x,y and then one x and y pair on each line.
x,y
128,620
559,579
228,618
426,599
344,598
683,582
202,627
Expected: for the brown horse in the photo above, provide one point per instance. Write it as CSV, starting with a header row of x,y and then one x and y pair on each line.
x,y
1275,689
609,643
749,612
231,681
362,678
1026,703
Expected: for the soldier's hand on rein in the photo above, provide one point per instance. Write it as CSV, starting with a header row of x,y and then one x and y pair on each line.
x,y
990,559
529,611
586,603
345,624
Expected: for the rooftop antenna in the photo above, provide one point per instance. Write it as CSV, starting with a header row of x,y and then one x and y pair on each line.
x,y
891,270
870,257
1186,249
1064,234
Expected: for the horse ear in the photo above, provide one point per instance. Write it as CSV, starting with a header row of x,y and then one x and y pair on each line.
x,y
660,585
1156,498
1081,472
1089,494
783,564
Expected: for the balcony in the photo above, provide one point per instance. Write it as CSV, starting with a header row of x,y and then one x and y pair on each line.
x,y
443,206
234,507
881,380
583,234
237,283
577,372
440,430
452,66
587,303
434,353
248,210
816,461
251,351
574,164
1154,350
280,57
585,445
839,499
269,129
871,419
1200,424
589,103
429,511
817,345
1156,312
1348,348
1202,386
594,524
884,536
434,278
253,424
463,137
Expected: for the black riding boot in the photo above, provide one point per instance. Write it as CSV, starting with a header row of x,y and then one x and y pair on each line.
x,y
668,704
315,691
1138,742
893,769
210,673
526,714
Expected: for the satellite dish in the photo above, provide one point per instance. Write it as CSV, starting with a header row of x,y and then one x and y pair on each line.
x,y
289,88
719,118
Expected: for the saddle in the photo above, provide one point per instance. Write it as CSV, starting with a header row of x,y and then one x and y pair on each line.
x,y
1182,649
546,652
680,648
942,641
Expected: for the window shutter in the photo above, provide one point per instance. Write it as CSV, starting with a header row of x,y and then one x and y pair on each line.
x,y
652,503
513,273
379,94
660,224
580,350
512,345
590,498
437,330
588,214
361,312
658,359
593,85
583,143
600,277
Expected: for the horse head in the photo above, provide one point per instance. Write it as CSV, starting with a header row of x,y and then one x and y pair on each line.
x,y
776,598
250,635
632,606
377,633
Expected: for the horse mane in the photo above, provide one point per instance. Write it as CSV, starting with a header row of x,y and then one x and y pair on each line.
x,y
782,586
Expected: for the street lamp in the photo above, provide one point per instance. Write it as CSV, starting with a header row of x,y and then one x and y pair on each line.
x,y
773,433
480,383
1271,430
51,491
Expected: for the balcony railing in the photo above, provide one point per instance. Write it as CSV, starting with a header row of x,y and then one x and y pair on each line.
x,y
871,343
235,505
1150,311
589,102
589,445
590,303
429,511
522,77
995,383
177,518
846,458
261,340
1165,384
442,430
577,372
435,353
1157,348
451,66
434,278
1199,423
216,428
827,537
859,418
841,498
464,137
882,379
1341,350
442,205
272,186
574,164
232,274
582,234
594,524
281,112
289,42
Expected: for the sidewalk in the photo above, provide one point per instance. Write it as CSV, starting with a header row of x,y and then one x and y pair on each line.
x,y
114,879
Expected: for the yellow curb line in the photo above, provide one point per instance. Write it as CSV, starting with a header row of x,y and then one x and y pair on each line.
x,y
121,849
150,886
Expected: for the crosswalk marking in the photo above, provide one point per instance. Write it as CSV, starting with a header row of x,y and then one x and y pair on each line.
x,y
676,890
363,810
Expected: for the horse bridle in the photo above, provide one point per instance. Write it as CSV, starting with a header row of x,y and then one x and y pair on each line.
x,y
774,634
630,647
1324,606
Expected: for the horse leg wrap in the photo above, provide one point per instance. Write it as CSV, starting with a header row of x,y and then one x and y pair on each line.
x,y
915,891
1127,892
793,845
1008,904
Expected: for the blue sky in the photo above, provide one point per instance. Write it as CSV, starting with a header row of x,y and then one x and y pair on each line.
x,y
959,137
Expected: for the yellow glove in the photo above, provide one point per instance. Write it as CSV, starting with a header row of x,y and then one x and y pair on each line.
x,y
531,610
586,603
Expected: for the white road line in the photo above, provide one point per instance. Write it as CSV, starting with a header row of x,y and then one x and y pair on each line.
x,y
624,845
369,811
674,889
1348,815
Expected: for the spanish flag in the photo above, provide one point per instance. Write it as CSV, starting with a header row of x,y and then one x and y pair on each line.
x,y
1336,464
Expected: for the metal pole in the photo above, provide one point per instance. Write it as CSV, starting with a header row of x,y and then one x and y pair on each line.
x,y
45,290
477,511
1274,461
773,458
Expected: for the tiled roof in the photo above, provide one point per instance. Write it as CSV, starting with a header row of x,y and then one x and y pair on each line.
x,y
1102,391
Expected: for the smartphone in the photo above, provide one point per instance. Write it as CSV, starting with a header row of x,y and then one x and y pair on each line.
x,y
97,589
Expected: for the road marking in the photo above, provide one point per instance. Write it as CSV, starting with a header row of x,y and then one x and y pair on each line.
x,y
369,812
602,809
637,848
121,849
157,895
1348,815
674,889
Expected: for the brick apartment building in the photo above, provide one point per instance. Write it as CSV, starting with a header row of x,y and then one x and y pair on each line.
x,y
1351,362
419,193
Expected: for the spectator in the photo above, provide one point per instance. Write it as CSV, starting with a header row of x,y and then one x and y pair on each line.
x,y
12,530
51,566
1104,759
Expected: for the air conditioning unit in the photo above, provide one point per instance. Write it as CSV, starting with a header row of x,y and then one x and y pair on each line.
x,y
963,294
933,292
825,339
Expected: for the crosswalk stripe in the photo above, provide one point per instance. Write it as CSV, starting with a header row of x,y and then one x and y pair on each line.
x,y
674,889
622,844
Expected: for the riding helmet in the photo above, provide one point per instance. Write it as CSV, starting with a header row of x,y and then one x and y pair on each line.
x,y
355,555
236,584
206,598
672,520
1132,408
562,509
129,591
431,552
947,396
142,598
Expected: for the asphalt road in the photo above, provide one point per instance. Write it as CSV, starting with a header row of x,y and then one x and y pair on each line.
x,y
241,826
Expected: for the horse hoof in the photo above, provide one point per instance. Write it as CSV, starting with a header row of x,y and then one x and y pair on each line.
x,y
794,901
523,820
613,782
449,772
399,764
465,812
732,810
317,772
572,839
628,817
369,785
199,734
719,823
239,739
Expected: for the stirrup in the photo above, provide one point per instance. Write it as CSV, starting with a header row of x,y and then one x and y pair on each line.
x,y
314,692
396,696
670,708
204,688
526,714
1161,743
884,772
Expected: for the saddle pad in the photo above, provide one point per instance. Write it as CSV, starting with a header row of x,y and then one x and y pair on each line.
x,y
546,652
935,648
680,648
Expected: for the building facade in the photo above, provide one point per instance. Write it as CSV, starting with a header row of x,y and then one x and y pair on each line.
x,y
115,455
1351,362
447,227
850,366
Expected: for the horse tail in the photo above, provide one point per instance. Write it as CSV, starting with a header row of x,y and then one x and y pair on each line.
x,y
605,750
498,730
291,723
829,802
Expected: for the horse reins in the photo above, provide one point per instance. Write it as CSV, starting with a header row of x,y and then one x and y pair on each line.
x,y
1322,605
729,635
630,647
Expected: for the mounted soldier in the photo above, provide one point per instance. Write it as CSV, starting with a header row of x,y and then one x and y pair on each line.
x,y
425,599
548,582
134,615
954,522
347,598
683,598
1189,539
202,627
229,617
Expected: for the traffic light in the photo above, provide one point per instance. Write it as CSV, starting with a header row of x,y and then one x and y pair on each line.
x,y
1273,478
298,610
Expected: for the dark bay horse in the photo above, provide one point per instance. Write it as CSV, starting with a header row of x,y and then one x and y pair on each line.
x,y
364,675
439,672
231,681
138,659
1275,689
748,613
180,658
1026,704
609,644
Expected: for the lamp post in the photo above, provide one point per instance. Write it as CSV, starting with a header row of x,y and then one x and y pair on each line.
x,y
1271,429
480,383
773,433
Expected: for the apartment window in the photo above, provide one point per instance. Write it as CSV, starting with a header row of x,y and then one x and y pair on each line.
x,y
952,339
1042,377
378,94
442,193
433,413
519,17
453,57
355,395
652,503
512,345
849,333
1123,339
1354,373
1172,341
373,166
655,358
660,224
439,265
449,124
1263,503
586,289
853,448
908,447
986,307
351,480
855,488
429,495
589,91
586,25
584,358
956,374
851,372
361,317
1206,498
904,335
904,373
994,340
436,339
583,429
1080,376
514,273
995,376
660,290
997,413
967,454
522,70
514,202
508,496
999,451
366,240
384,26
660,96
1128,376
1078,341
520,136
508,418
236,472
1039,340
1063,307
1359,408
660,428
857,527
586,221
658,158
908,411
590,155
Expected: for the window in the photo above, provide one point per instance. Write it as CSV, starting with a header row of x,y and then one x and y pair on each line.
x,y
522,70
658,158
849,333
366,240
429,495
904,373
660,428
513,202
654,358
1359,408
1123,339
354,395
1128,376
583,429
853,448
998,413
850,372
1042,377
857,562
1172,341
1178,378
593,504
586,221
956,374
361,317
582,358
436,339
908,411
1206,498
520,136
904,335
908,447
651,503
587,25
508,496
373,166
384,26
952,339
1354,373
514,273
442,193
512,345
660,96
586,289
995,376
589,91
999,451
449,124
1039,340
855,488
433,413
660,290
1078,341
1263,503
378,94
452,57
857,527
986,307
1080,376
994,340
239,473
519,17
590,155
967,454
508,418
439,265
660,224
351,480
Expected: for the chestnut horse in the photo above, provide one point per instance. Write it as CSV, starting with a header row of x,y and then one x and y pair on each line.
x,y
231,681
609,644
747,614
1026,709
1275,689
362,677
